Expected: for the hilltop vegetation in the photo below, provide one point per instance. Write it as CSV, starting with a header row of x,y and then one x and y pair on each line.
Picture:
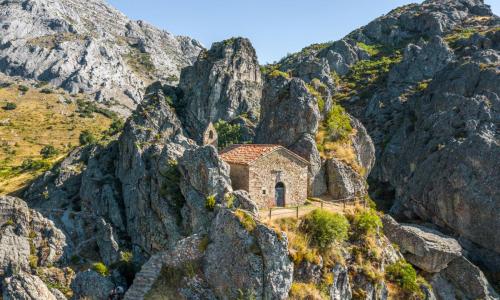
x,y
39,126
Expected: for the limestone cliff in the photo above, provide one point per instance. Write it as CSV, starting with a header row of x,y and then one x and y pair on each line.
x,y
89,47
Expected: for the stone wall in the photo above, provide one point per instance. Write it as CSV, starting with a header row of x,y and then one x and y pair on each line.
x,y
239,177
278,166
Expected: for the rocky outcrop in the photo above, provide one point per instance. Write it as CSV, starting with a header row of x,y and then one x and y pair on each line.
x,y
256,263
363,146
223,84
425,248
431,112
91,285
421,61
75,45
146,167
27,238
27,287
462,280
449,146
414,21
290,118
341,288
452,275
343,181
204,175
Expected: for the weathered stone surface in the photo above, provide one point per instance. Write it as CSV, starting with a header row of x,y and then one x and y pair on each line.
x,y
462,280
256,263
428,249
89,284
363,146
243,201
290,118
421,61
74,45
341,287
23,229
343,181
224,83
204,174
442,160
149,147
308,272
25,286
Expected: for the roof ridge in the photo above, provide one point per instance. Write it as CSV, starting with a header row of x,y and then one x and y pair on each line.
x,y
245,154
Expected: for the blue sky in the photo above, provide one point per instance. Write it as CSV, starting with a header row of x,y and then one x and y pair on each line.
x,y
275,27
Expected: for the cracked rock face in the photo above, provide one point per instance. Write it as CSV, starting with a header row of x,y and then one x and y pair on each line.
x,y
26,233
223,84
90,48
256,263
27,287
290,118
425,248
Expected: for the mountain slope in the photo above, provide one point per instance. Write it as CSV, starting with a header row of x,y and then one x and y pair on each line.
x,y
89,47
424,81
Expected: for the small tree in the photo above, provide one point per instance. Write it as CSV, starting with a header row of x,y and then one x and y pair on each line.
x,y
86,137
10,106
228,134
48,151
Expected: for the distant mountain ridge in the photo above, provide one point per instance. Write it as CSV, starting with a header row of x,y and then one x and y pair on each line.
x,y
90,47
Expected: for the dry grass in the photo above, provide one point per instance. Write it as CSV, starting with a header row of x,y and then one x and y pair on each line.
x,y
39,120
340,149
305,291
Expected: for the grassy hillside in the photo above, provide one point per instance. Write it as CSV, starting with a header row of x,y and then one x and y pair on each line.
x,y
38,127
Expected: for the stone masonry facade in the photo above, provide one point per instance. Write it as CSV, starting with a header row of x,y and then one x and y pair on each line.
x,y
261,173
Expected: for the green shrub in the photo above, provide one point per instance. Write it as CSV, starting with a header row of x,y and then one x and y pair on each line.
x,y
10,106
115,126
338,123
9,222
46,91
278,73
317,95
34,165
87,137
33,261
48,151
324,227
100,268
372,50
366,221
404,275
227,134
23,88
210,202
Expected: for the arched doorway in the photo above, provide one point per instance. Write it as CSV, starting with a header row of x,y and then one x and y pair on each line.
x,y
279,194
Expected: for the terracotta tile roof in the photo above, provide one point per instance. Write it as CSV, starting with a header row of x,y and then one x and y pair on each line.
x,y
243,154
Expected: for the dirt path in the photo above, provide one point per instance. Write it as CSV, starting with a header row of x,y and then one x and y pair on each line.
x,y
294,212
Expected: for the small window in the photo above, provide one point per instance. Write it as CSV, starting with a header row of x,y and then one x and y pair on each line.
x,y
210,134
263,192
